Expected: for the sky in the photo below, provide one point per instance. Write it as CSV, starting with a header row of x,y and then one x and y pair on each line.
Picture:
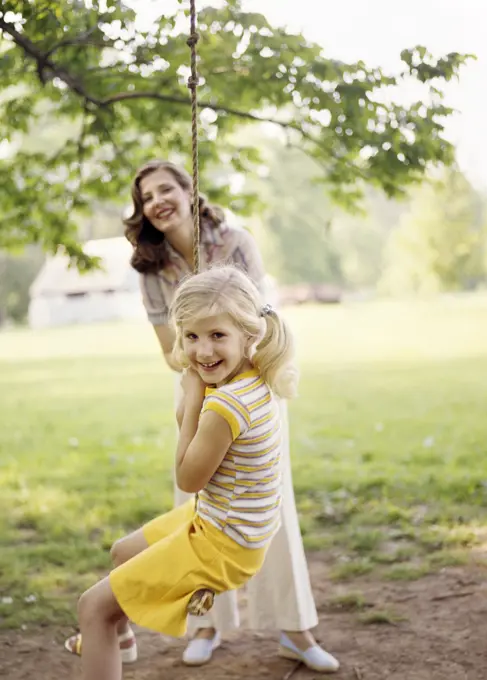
x,y
377,30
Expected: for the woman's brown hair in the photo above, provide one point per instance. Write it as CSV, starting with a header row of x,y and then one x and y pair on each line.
x,y
149,254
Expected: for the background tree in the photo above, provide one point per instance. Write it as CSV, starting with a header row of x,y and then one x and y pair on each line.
x,y
440,243
294,223
17,271
304,236
125,92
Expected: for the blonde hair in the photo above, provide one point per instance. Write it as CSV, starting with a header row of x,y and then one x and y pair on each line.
x,y
227,290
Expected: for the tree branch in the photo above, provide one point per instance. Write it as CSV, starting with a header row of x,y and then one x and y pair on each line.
x,y
218,108
80,39
45,62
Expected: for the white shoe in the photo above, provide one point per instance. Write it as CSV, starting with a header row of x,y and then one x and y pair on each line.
x,y
314,657
199,650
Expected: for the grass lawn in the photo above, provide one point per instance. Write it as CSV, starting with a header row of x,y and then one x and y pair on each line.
x,y
389,440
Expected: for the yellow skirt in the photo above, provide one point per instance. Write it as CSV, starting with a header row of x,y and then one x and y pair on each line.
x,y
185,554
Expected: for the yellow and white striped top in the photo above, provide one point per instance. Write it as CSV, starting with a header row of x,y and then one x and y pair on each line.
x,y
243,497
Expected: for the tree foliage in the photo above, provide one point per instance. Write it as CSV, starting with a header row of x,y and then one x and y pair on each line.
x,y
439,244
124,91
294,226
17,272
304,237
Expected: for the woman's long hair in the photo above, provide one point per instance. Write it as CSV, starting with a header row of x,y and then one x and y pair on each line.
x,y
149,254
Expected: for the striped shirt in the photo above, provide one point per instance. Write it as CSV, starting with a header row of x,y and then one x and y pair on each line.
x,y
243,497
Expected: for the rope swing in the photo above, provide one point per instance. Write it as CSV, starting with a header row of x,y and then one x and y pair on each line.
x,y
193,85
202,600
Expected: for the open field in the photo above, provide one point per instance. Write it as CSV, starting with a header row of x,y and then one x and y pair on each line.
x,y
389,444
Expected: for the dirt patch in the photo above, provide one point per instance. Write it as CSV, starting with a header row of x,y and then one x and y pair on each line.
x,y
438,631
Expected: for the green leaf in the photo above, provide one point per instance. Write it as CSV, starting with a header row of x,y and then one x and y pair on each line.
x,y
86,98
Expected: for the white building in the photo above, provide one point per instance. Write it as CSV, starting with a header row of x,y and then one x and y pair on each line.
x,y
61,295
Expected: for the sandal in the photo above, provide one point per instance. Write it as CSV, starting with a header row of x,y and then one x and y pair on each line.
x,y
128,654
201,602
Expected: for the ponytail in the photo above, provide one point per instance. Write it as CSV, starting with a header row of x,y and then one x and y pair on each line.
x,y
274,355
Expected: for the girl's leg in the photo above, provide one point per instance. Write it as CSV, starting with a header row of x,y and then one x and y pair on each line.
x,y
99,614
122,551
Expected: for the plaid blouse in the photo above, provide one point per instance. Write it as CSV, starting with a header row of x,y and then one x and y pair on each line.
x,y
224,244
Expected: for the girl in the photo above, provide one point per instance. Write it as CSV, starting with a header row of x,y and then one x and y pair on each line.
x,y
237,355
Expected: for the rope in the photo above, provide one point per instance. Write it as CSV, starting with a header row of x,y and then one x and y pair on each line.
x,y
202,600
193,84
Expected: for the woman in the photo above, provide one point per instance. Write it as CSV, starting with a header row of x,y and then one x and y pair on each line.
x,y
161,231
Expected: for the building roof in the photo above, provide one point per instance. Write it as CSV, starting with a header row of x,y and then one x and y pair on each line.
x,y
56,277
